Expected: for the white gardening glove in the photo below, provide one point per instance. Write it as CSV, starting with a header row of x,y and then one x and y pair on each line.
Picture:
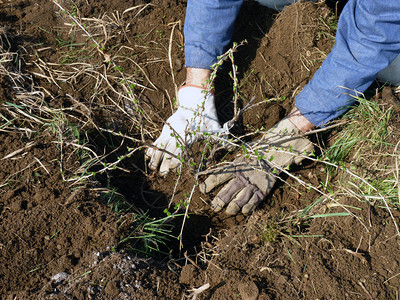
x,y
195,115
251,179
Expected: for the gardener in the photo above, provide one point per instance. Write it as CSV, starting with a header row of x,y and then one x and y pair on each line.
x,y
367,44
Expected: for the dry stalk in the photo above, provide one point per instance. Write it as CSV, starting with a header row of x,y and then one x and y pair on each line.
x,y
18,151
397,170
141,6
170,54
195,292
9,177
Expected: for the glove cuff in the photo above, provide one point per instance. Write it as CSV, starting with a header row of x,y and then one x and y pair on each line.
x,y
192,96
285,145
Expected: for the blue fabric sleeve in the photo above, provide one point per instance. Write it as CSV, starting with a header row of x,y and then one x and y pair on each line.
x,y
367,41
208,30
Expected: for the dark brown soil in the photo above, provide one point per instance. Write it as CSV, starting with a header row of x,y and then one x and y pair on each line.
x,y
60,239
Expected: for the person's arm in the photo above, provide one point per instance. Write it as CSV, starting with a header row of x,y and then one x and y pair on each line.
x,y
367,41
197,77
298,120
208,30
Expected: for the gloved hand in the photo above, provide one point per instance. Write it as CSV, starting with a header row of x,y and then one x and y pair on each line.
x,y
251,179
195,115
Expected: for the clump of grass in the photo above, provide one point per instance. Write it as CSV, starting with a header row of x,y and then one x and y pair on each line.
x,y
366,132
329,22
361,164
147,235
365,146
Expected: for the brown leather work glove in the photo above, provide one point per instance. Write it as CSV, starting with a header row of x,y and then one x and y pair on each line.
x,y
251,179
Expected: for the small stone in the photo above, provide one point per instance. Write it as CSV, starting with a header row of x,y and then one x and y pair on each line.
x,y
187,274
112,289
282,280
178,64
248,290
137,284
60,277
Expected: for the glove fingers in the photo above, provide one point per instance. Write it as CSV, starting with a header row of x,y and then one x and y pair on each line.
x,y
240,200
149,153
226,194
255,200
169,162
216,179
156,159
156,155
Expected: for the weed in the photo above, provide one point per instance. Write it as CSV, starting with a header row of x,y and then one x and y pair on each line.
x,y
115,200
148,236
330,23
270,232
367,128
364,141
